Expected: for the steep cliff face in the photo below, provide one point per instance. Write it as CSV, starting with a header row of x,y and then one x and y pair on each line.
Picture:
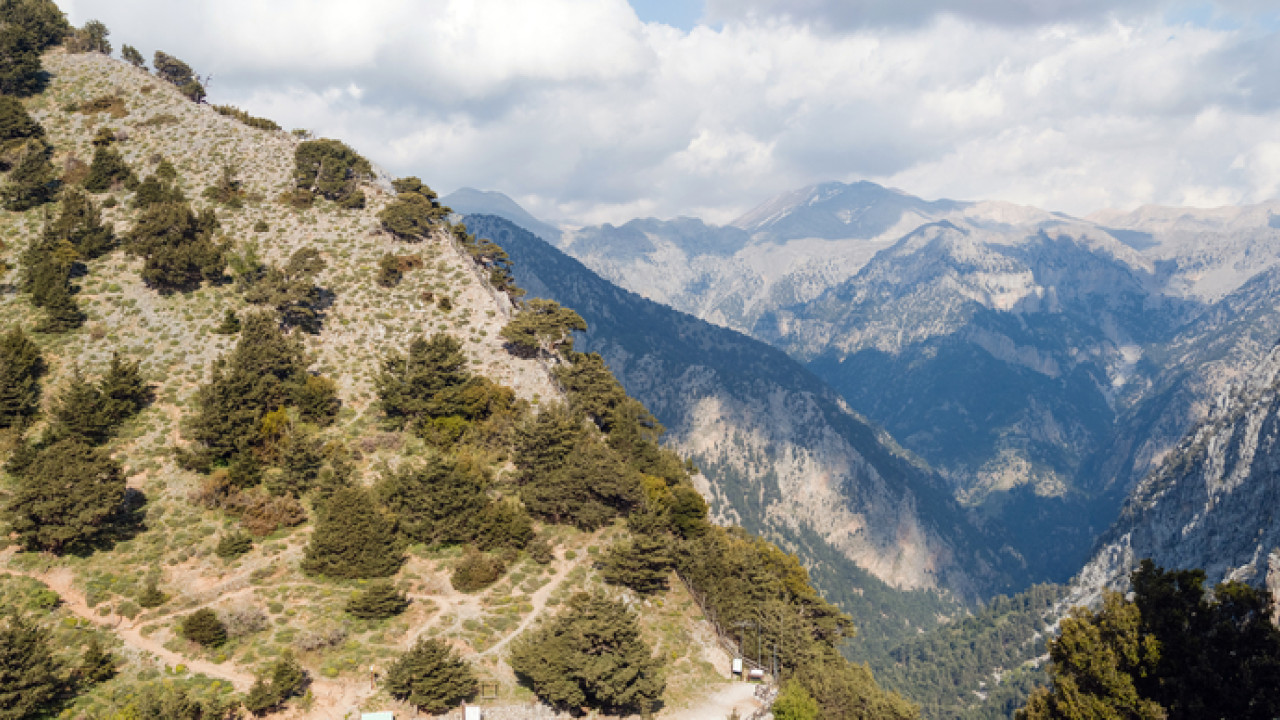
x,y
781,451
1214,502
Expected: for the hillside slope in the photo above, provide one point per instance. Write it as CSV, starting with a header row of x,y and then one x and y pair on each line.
x,y
471,485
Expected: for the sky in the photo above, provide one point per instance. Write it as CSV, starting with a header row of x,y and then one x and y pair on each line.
x,y
602,110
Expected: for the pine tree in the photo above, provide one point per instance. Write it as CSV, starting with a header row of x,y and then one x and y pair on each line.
x,y
78,411
794,703
353,539
287,680
476,571
378,601
230,324
80,224
69,497
30,681
590,656
21,365
431,677
329,169
124,391
152,596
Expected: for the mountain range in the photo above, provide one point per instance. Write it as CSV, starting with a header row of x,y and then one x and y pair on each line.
x,y
1041,365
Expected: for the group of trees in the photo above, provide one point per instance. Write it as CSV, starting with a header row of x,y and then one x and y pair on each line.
x,y
591,656
543,328
27,28
431,392
34,682
330,169
177,246
71,493
290,290
25,154
1174,651
415,211
52,260
179,74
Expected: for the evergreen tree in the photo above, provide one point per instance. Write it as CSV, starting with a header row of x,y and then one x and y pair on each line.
x,y
846,691
178,246
78,411
433,383
158,189
132,56
21,365
794,703
389,272
353,539
590,656
33,181
107,169
503,524
95,36
79,224
97,665
287,680
292,291
412,216
30,681
437,503
543,327
172,70
69,497
379,600
124,391
16,124
21,73
41,19
152,596
230,324
431,677
233,545
203,627
643,564
588,487
476,571
330,169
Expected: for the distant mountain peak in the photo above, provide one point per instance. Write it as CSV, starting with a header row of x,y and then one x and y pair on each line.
x,y
470,201
838,211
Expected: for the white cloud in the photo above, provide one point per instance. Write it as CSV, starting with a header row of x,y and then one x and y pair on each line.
x,y
579,109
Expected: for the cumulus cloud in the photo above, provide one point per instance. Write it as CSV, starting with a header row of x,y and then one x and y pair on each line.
x,y
578,109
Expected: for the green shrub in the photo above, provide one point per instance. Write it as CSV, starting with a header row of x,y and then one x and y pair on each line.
x,y
380,600
476,571
204,628
233,545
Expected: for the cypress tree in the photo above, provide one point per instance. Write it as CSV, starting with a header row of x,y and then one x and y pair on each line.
x,y
68,497
124,391
29,674
152,596
542,327
353,539
233,545
590,656
431,677
287,679
21,366
131,55
78,411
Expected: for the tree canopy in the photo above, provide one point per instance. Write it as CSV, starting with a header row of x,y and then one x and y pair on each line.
x,y
68,497
590,656
543,327
431,677
1175,651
